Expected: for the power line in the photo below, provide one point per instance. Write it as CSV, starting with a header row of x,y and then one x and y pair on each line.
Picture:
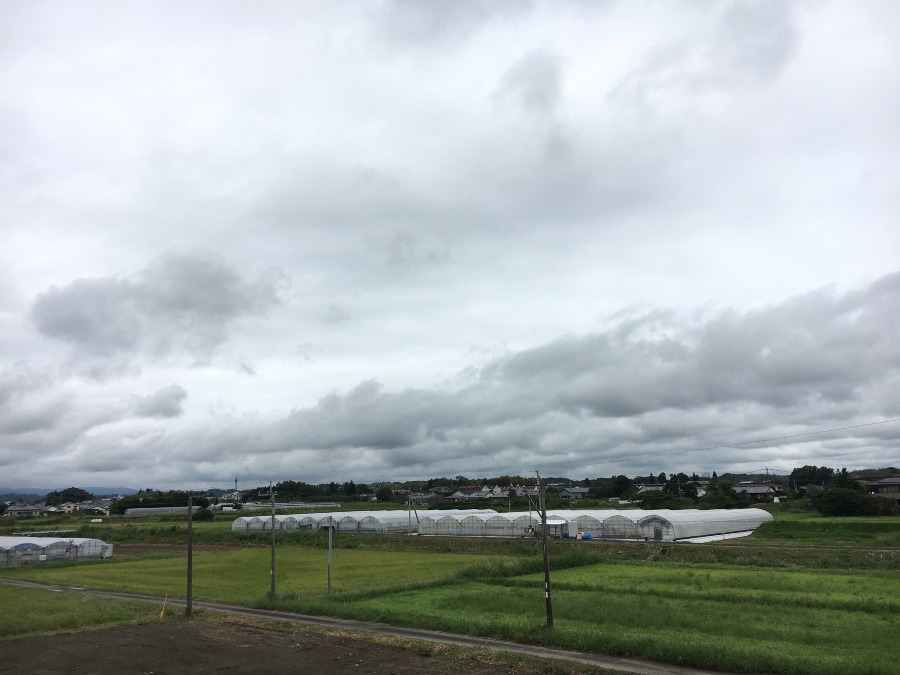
x,y
765,440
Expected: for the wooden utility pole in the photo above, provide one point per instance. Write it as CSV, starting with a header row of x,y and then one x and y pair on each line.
x,y
271,495
545,537
190,560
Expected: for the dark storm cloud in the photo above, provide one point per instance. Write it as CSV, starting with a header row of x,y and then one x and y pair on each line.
x,y
179,303
165,402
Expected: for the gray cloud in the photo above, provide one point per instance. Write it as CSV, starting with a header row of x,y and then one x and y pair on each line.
x,y
648,383
406,22
179,303
535,80
165,402
520,235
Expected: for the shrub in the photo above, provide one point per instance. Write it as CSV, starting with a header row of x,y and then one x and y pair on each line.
x,y
849,502
202,514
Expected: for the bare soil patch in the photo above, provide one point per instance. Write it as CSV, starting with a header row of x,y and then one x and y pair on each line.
x,y
228,645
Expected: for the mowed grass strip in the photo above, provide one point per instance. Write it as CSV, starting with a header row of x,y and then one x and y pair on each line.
x,y
242,576
36,612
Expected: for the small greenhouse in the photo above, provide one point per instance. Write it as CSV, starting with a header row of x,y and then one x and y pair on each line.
x,y
22,550
694,524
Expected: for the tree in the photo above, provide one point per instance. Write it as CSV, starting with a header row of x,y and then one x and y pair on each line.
x,y
658,499
811,475
721,495
385,494
844,480
71,494
349,488
621,485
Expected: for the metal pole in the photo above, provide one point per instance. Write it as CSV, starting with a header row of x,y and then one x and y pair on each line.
x,y
190,560
545,528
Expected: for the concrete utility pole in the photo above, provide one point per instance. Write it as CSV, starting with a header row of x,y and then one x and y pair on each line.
x,y
330,535
190,560
545,537
271,495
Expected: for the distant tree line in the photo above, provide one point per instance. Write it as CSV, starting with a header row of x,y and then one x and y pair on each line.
x,y
156,499
830,491
72,494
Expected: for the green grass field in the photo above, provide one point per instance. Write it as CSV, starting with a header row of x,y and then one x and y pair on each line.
x,y
35,612
803,595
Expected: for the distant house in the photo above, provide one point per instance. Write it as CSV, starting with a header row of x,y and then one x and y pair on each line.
x,y
654,487
478,492
466,493
758,491
24,510
574,493
887,488
526,490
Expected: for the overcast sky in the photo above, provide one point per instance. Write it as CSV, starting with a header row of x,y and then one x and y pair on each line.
x,y
398,240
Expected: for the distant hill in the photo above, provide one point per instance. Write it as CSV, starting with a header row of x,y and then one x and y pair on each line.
x,y
23,493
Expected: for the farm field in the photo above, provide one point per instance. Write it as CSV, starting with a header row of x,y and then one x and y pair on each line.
x,y
104,636
815,596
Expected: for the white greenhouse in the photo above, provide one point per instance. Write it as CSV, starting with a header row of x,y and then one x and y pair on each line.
x,y
21,550
640,525
634,524
363,522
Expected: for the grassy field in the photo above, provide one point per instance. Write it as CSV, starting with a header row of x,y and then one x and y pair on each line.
x,y
242,576
806,529
36,612
803,595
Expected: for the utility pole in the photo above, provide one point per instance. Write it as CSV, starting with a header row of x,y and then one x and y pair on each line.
x,y
544,535
190,560
271,496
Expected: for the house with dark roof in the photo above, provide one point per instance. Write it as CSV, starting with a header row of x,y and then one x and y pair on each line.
x,y
758,491
24,510
887,488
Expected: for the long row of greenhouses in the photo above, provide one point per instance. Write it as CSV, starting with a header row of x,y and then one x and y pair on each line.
x,y
370,522
657,525
636,524
23,550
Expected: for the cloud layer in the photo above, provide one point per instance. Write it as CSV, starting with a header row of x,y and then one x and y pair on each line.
x,y
399,240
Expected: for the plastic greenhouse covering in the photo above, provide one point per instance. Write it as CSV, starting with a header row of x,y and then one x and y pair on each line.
x,y
372,522
635,524
658,525
21,550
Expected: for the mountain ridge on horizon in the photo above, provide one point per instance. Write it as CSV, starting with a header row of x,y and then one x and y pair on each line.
x,y
41,492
